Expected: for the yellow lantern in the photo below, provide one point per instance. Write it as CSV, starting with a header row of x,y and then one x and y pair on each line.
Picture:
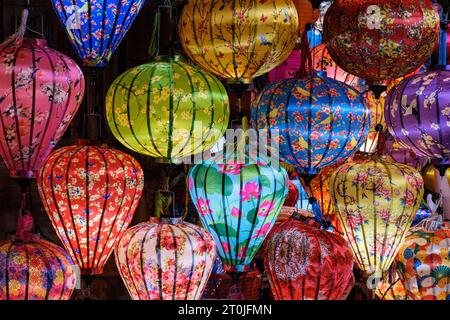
x,y
238,40
375,200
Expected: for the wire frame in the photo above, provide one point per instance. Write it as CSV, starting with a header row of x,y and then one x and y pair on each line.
x,y
36,270
90,194
96,27
375,200
165,260
40,92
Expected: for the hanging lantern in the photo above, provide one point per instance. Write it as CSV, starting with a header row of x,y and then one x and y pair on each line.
x,y
238,203
304,262
431,178
96,28
40,92
382,40
318,121
305,12
165,259
34,269
423,264
90,194
292,196
418,115
375,200
238,40
167,109
394,290
288,68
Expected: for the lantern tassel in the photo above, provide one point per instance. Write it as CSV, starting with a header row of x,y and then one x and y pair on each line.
x,y
24,227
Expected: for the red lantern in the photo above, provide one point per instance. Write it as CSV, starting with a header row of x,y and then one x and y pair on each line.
x,y
90,194
40,92
292,196
381,40
304,262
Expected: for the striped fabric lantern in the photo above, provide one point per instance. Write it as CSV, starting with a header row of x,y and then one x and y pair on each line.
x,y
165,259
96,27
375,200
40,92
238,40
34,269
167,109
90,194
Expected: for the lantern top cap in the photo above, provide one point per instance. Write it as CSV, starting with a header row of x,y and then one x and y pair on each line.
x,y
169,58
35,42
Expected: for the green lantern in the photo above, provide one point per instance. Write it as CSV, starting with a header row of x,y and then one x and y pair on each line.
x,y
167,109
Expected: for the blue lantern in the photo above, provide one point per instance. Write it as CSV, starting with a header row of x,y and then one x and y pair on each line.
x,y
96,27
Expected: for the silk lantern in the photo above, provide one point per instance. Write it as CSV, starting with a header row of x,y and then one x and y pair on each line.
x,y
90,194
304,262
238,40
306,13
34,269
317,121
417,113
238,201
375,200
288,68
394,290
379,41
423,264
167,109
165,259
40,92
96,27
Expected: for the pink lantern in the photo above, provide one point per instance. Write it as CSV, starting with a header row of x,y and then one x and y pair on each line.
x,y
40,92
288,68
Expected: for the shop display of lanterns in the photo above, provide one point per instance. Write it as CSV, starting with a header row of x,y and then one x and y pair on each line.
x,y
167,109
40,92
165,259
34,269
238,203
379,41
375,200
96,28
238,40
423,264
304,262
90,194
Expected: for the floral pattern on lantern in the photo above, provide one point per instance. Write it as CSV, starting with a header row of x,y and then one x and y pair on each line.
x,y
304,262
394,290
379,41
167,109
165,259
90,194
40,92
238,40
375,200
96,27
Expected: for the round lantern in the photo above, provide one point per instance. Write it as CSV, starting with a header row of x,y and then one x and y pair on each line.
x,y
167,109
381,40
375,200
304,262
317,121
40,92
90,194
165,259
238,40
394,290
306,13
423,264
417,113
96,28
34,269
238,203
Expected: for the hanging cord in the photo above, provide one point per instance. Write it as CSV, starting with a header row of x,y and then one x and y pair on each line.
x,y
17,36
154,47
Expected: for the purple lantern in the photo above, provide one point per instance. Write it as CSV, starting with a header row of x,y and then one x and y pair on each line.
x,y
417,113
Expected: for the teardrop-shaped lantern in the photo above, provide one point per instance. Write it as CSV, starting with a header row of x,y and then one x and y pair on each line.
x,y
167,109
238,40
375,200
304,262
391,290
40,92
34,269
90,194
238,202
96,27
165,259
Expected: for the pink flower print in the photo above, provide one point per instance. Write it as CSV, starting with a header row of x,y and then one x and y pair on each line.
x,y
202,206
384,215
225,247
235,212
409,198
265,208
241,252
261,232
250,190
231,168
190,183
